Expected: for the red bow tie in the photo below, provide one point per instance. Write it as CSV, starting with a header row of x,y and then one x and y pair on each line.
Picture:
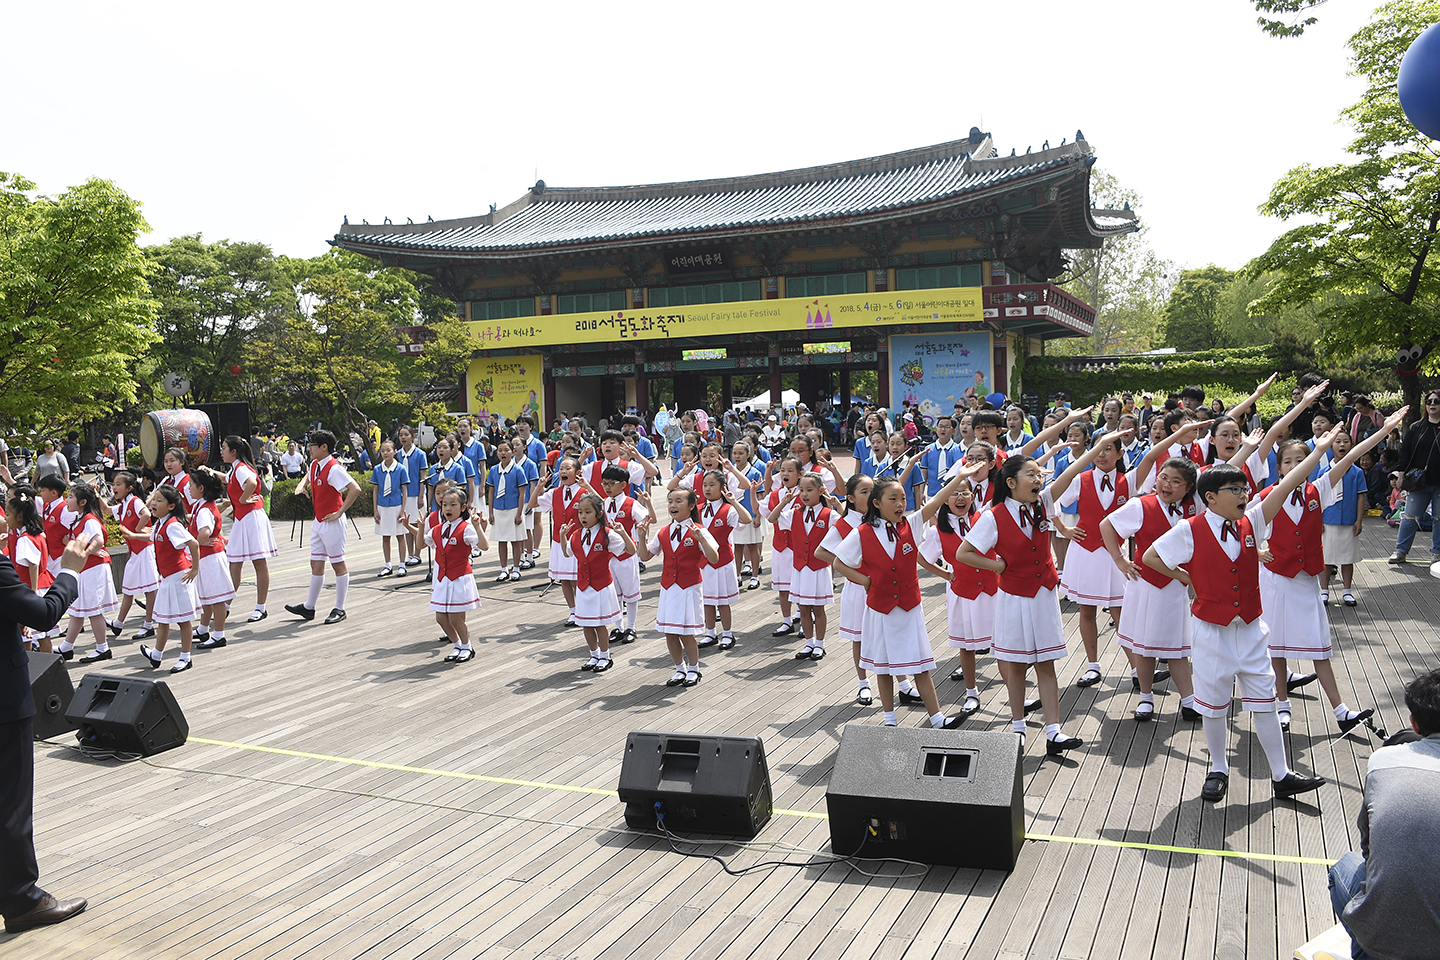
x,y
613,506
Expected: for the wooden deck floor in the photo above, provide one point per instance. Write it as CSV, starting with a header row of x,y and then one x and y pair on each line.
x,y
405,808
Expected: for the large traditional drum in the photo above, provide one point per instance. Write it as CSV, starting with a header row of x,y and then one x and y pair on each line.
x,y
189,430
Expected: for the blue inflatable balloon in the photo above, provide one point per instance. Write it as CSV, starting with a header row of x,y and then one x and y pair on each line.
x,y
1420,82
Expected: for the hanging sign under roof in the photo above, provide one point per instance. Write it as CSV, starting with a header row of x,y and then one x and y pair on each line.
x,y
696,260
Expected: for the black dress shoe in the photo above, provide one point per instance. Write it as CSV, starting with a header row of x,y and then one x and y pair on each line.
x,y
300,610
1032,705
1056,747
952,722
603,665
150,661
1294,784
97,656
1091,677
48,910
818,653
115,628
1216,786
257,615
211,643
628,636
182,665
707,641
694,673
678,680
336,615
1190,713
1345,725
148,633
1161,676
784,630
905,696
1295,683
65,654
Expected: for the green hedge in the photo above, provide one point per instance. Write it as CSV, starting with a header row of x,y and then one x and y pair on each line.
x,y
1229,374
282,500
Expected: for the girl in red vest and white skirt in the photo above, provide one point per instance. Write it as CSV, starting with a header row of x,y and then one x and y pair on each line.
x,y
882,555
722,515
684,545
251,539
1155,616
593,543
97,584
970,599
782,565
803,513
177,558
852,595
213,587
1290,581
25,546
141,577
559,500
452,592
622,510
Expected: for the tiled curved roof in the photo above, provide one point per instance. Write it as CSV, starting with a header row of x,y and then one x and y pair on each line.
x,y
562,217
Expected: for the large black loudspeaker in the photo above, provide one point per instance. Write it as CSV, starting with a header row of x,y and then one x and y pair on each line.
x,y
227,419
705,784
127,715
951,797
50,685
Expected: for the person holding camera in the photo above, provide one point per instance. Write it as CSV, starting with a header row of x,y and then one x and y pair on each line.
x,y
1420,473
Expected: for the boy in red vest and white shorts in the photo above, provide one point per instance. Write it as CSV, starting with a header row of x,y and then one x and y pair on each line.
x,y
332,490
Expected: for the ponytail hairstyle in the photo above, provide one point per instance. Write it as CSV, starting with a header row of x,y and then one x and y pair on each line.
x,y
88,499
131,481
1009,472
598,506
872,509
942,517
22,501
241,448
851,486
211,483
171,496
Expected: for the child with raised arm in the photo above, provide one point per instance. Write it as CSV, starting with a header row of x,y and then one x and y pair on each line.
x,y
683,544
594,544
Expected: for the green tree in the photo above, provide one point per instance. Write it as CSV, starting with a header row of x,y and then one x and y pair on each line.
x,y
1123,279
1293,10
1364,252
214,297
75,312
1193,314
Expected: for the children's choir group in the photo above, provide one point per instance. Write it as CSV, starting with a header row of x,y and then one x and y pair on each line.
x,y
1209,548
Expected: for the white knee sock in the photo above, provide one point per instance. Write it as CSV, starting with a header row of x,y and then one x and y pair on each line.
x,y
1272,738
314,596
631,610
342,586
1216,732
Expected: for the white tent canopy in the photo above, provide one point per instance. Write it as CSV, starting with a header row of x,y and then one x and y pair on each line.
x,y
788,398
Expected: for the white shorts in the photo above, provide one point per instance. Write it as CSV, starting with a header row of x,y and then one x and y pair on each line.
x,y
626,571
1225,656
327,540
141,576
389,525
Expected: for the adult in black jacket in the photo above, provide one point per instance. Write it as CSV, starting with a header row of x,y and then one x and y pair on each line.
x,y
22,902
1420,450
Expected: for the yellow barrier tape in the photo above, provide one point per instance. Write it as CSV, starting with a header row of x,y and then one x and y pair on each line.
x,y
780,811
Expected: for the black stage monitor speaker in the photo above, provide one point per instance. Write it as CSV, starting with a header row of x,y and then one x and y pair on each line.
x,y
50,684
706,784
951,797
127,715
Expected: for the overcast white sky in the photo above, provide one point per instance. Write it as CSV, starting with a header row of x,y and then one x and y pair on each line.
x,y
270,121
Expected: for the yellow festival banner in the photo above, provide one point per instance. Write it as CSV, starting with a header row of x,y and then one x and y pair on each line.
x,y
508,386
944,305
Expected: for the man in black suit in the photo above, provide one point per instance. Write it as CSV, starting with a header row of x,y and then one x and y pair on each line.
x,y
22,902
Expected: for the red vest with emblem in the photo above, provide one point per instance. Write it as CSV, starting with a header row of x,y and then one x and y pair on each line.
x,y
217,539
1154,524
326,498
1029,565
592,564
23,570
130,519
1091,512
803,543
598,467
893,580
452,553
103,557
683,560
782,534
968,582
621,513
720,529
1298,546
181,483
562,510
168,557
1224,588
54,529
235,491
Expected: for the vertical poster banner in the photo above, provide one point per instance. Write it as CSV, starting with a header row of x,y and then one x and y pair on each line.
x,y
509,386
935,372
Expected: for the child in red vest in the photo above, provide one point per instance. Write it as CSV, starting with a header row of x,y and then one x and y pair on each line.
x,y
251,539
1154,619
452,538
722,515
25,546
177,558
1290,581
782,564
141,576
882,555
1217,554
684,545
213,587
331,492
624,512
970,600
594,544
51,491
559,501
97,584
852,595
804,514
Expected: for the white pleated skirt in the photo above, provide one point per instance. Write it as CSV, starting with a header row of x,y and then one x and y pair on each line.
x,y
748,533
455,596
251,539
1156,622
852,611
1340,543
96,594
561,566
174,601
140,576
389,524
719,587
782,570
971,622
597,608
1028,629
1299,625
1091,577
505,529
213,584
896,643
680,610
812,587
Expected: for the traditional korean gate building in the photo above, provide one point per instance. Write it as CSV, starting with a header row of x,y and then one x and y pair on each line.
x,y
930,266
